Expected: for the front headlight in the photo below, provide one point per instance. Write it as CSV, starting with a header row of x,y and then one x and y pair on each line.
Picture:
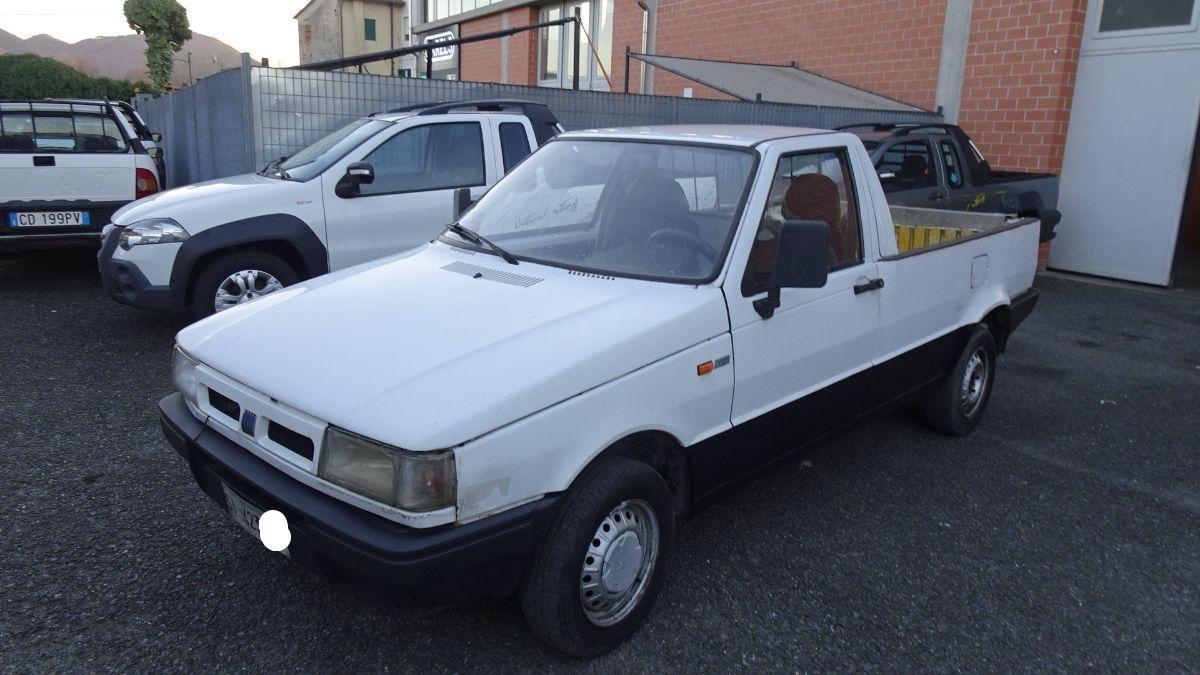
x,y
413,481
184,372
152,231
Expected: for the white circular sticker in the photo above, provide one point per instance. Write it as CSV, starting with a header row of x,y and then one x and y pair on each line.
x,y
273,530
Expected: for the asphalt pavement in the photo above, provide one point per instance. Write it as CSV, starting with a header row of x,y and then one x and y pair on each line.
x,y
1064,534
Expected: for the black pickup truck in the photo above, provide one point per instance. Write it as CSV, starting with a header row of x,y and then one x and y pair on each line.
x,y
936,166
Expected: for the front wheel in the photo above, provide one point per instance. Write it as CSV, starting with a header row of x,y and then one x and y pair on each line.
x,y
237,278
957,404
601,566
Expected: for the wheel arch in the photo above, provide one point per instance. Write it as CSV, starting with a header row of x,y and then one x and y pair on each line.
x,y
659,450
999,321
283,235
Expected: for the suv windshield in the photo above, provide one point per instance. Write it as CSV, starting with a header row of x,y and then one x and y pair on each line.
x,y
314,159
641,209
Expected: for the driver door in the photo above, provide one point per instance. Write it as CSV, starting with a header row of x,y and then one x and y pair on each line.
x,y
802,372
417,169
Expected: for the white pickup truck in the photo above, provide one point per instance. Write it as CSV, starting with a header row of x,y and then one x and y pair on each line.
x,y
379,185
630,321
65,168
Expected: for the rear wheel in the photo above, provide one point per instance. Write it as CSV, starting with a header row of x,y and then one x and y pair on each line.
x,y
958,403
601,566
237,278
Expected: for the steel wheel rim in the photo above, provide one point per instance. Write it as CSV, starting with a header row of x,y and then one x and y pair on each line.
x,y
975,381
242,287
619,562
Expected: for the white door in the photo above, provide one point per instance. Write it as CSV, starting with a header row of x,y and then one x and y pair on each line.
x,y
1130,140
411,199
802,372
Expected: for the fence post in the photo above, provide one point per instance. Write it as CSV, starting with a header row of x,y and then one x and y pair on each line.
x,y
429,63
248,123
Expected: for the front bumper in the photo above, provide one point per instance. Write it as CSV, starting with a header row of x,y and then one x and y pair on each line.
x,y
342,543
126,284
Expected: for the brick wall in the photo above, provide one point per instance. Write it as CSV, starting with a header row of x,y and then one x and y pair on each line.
x,y
480,61
1020,79
888,46
1017,86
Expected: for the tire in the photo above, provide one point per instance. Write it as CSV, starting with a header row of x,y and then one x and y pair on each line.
x,y
221,269
958,403
555,589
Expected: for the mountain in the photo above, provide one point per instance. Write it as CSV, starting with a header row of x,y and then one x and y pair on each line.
x,y
123,57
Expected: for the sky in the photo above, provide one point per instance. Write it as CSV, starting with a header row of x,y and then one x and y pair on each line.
x,y
261,27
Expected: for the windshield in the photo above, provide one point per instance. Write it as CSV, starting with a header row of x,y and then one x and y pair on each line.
x,y
641,209
314,159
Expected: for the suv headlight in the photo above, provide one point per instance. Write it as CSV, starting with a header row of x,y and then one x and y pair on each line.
x,y
184,373
152,231
413,481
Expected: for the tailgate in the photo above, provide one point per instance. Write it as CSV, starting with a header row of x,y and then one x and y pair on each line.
x,y
59,177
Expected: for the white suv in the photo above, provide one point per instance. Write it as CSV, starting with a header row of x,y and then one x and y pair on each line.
x,y
381,185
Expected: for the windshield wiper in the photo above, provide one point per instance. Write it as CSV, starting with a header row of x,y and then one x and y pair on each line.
x,y
275,163
478,239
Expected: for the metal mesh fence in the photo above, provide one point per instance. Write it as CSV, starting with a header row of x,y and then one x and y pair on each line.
x,y
289,109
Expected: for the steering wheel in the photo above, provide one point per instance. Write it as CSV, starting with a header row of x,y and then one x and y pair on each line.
x,y
687,239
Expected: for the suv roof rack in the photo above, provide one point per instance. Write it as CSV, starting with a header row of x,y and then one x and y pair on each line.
x,y
899,128
486,105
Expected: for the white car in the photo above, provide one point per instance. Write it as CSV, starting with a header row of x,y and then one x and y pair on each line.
x,y
380,185
135,126
65,168
628,322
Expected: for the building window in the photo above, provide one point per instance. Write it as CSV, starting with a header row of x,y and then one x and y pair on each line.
x,y
369,29
436,10
1117,15
556,54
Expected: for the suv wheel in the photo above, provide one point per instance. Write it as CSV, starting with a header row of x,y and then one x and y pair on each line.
x,y
602,563
237,278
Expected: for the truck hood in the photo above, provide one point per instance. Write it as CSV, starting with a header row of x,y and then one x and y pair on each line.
x,y
423,354
200,206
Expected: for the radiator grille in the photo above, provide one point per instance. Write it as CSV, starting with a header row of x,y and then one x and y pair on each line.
x,y
292,440
224,405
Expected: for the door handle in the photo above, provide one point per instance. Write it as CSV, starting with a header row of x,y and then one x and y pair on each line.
x,y
936,197
865,285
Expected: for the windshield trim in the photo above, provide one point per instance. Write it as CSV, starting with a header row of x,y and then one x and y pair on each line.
x,y
335,161
723,258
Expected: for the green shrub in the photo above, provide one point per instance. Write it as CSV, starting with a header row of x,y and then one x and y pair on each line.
x,y
30,76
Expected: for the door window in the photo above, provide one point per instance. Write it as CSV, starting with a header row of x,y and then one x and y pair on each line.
x,y
428,157
807,186
911,166
514,144
951,165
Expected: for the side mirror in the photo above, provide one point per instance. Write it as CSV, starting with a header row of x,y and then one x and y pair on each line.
x,y
358,173
462,202
156,137
801,261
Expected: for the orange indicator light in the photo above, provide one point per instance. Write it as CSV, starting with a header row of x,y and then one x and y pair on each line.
x,y
704,368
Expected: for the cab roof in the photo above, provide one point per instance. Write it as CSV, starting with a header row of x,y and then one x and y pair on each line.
x,y
740,135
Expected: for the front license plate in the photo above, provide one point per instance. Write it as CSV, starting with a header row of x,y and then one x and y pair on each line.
x,y
49,218
244,513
